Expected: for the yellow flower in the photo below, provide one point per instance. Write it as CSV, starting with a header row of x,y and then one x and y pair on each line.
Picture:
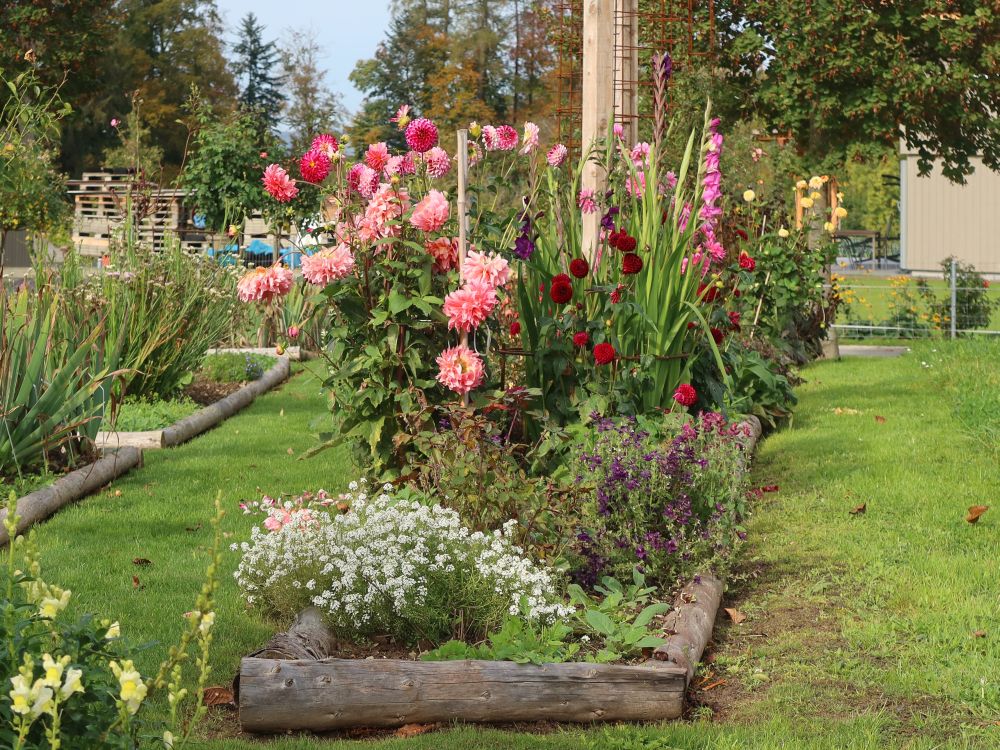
x,y
801,184
807,202
72,683
815,196
114,630
782,232
749,195
475,129
20,695
840,212
815,182
56,602
168,739
828,226
53,670
840,196
133,690
207,620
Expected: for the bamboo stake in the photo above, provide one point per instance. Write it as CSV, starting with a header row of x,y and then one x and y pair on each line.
x,y
463,215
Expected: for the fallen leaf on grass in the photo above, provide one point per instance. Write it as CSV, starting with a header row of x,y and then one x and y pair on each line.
x,y
135,582
759,491
735,615
192,528
879,419
857,511
717,683
978,633
118,493
844,410
976,512
290,452
141,561
412,730
219,696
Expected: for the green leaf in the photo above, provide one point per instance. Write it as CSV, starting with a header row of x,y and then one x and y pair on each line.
x,y
600,622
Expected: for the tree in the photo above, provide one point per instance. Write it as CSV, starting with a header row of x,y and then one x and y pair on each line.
x,y
312,107
255,60
838,73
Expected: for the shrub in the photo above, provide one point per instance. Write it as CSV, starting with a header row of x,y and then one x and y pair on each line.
x,y
671,507
973,306
390,565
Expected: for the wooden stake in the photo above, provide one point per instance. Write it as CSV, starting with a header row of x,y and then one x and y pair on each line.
x,y
597,101
463,214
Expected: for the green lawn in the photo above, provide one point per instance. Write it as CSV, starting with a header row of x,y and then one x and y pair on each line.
x,y
860,629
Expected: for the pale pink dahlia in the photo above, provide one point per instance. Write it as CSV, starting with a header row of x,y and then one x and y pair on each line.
x,y
277,182
484,268
329,264
460,369
314,165
421,135
556,155
363,179
530,139
438,162
326,143
264,284
377,156
444,251
490,138
386,205
392,166
469,306
431,213
506,138
409,164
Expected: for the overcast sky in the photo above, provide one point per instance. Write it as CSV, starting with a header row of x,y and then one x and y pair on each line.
x,y
347,30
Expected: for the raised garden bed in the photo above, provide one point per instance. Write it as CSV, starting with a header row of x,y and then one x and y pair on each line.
x,y
297,682
203,419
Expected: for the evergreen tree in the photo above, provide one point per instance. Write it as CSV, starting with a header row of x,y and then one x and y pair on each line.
x,y
312,107
256,63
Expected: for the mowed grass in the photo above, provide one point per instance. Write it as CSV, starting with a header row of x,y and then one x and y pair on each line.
x,y
862,631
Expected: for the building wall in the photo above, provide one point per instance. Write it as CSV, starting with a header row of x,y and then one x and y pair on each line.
x,y
939,218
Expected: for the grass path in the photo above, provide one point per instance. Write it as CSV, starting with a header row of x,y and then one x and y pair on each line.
x,y
860,629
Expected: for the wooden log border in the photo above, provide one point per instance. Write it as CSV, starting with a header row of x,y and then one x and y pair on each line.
x,y
290,685
40,504
203,419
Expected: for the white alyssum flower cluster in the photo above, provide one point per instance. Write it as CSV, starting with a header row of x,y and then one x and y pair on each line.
x,y
392,565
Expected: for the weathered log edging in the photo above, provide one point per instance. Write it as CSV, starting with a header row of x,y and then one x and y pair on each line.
x,y
293,684
292,352
203,419
42,503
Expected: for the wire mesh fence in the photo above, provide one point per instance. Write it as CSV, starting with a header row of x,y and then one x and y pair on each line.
x,y
961,301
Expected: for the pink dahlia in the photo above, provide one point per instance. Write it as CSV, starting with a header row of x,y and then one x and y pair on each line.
x,y
421,135
386,205
393,165
431,213
484,268
409,164
363,179
402,116
460,369
438,162
277,182
444,251
314,165
377,156
326,143
530,140
556,155
469,306
327,265
490,138
264,284
506,138
586,201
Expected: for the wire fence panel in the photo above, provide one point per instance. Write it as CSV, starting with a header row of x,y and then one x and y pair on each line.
x,y
962,303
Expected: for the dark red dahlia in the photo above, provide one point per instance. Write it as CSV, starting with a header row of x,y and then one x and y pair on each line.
x,y
707,293
579,268
631,264
515,328
746,262
626,243
717,335
686,395
561,278
561,292
581,338
604,353
734,320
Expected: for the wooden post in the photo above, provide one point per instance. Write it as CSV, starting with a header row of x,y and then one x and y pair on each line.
x,y
597,101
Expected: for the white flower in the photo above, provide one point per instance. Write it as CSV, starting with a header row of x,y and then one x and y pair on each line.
x,y
114,631
207,621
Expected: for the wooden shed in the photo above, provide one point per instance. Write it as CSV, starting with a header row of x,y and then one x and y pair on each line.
x,y
939,218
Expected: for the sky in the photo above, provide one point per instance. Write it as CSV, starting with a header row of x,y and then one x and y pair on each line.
x,y
347,30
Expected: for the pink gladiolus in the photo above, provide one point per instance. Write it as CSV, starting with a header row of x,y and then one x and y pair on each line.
x,y
640,154
636,186
314,165
421,135
556,155
460,369
431,213
492,270
444,251
469,306
530,139
328,265
264,284
586,201
438,162
277,182
377,156
618,130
